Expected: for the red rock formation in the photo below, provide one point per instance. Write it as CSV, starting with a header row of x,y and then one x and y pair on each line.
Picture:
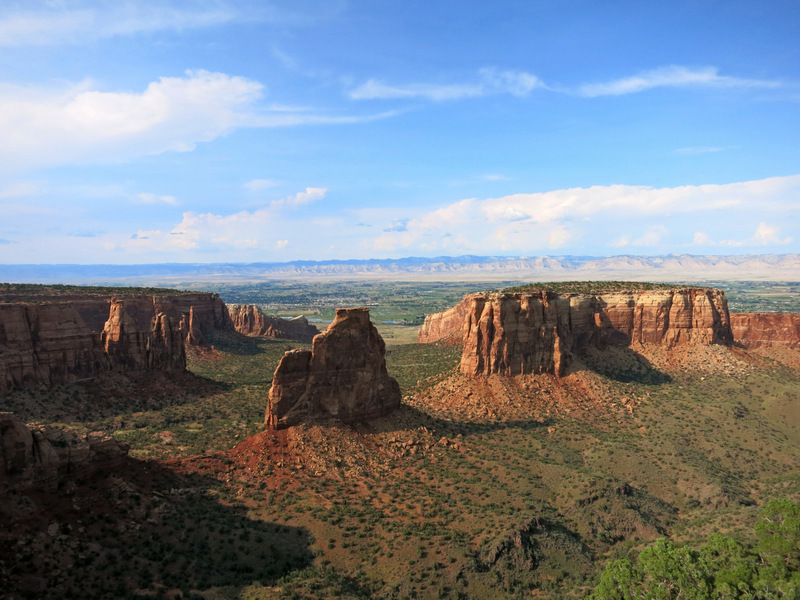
x,y
513,334
766,330
138,340
444,326
343,376
45,344
250,320
202,313
43,457
50,343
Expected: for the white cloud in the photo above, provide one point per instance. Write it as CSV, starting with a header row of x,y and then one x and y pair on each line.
x,y
520,83
701,239
671,76
491,81
147,198
653,236
635,200
47,23
495,177
301,198
550,220
699,150
79,124
257,185
263,229
765,235
574,221
45,127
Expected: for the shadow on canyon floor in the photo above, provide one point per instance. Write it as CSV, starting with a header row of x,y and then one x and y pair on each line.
x,y
109,395
407,417
146,528
239,344
620,363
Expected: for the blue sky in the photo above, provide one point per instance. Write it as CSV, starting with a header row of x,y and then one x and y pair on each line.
x,y
225,131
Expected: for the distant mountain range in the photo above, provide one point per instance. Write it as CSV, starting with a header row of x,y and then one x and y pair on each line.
x,y
673,267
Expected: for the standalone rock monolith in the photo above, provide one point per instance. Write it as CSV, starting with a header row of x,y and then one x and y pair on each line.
x,y
343,375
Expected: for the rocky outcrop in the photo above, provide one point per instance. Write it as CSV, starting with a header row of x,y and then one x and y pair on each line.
x,y
136,340
445,326
66,337
201,314
513,334
49,343
766,330
45,344
343,375
44,457
250,320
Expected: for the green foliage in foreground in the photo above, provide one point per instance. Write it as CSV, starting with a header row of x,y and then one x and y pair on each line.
x,y
721,568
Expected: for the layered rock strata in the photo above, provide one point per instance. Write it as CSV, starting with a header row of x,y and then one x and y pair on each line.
x,y
136,340
766,330
250,320
201,314
43,457
50,343
513,334
445,326
343,375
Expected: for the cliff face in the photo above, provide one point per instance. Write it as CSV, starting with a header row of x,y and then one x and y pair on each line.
x,y
138,340
200,314
66,338
513,334
343,375
444,326
249,320
44,457
759,330
45,344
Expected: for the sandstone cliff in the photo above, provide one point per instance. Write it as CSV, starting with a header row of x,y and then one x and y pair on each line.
x,y
760,330
343,375
50,343
445,326
44,457
535,332
250,320
46,344
200,313
138,340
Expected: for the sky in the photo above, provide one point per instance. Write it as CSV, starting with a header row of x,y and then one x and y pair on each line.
x,y
257,131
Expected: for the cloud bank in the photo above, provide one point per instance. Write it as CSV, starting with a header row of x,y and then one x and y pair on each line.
x,y
312,225
49,23
41,127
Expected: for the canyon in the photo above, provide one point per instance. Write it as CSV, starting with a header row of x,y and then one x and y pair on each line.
x,y
51,339
343,375
250,320
293,464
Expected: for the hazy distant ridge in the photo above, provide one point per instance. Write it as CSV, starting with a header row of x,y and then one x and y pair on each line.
x,y
777,267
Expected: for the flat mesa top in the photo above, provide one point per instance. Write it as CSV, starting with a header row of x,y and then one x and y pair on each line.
x,y
30,292
589,287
